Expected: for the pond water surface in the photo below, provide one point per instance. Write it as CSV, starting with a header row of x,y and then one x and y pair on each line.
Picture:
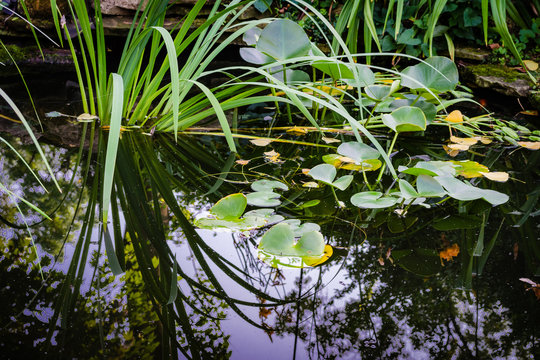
x,y
406,284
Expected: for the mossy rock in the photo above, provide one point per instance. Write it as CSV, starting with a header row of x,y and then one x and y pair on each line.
x,y
502,79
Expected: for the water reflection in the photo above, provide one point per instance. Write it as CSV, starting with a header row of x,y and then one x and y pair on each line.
x,y
362,304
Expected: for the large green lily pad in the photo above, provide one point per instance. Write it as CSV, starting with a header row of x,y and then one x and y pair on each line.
x,y
439,74
283,39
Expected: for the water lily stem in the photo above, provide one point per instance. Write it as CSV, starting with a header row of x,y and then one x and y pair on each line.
x,y
415,100
383,167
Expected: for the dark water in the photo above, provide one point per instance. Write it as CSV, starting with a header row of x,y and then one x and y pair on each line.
x,y
362,303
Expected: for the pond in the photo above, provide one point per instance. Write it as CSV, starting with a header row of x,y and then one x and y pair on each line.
x,y
297,205
443,280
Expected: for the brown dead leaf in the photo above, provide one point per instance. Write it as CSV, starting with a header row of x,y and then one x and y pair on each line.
x,y
381,261
310,184
463,141
330,140
305,171
531,145
242,162
529,112
452,153
458,147
272,156
531,65
261,142
499,176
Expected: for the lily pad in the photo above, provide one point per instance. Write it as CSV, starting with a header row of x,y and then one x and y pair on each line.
x,y
429,109
268,185
280,240
228,210
358,151
470,169
406,118
378,92
346,163
326,173
337,70
441,76
254,56
466,192
251,36
230,207
373,200
283,39
263,198
278,261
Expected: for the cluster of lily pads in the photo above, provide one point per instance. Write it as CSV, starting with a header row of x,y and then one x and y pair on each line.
x,y
288,242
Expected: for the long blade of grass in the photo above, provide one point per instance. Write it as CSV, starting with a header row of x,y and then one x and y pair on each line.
x,y
112,142
175,82
432,21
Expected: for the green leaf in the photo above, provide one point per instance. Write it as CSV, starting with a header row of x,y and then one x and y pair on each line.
x,y
405,119
252,35
262,5
263,199
358,151
254,56
407,190
373,200
283,39
343,182
323,172
429,187
230,207
336,70
268,185
407,38
117,102
429,109
462,191
378,92
441,76
279,240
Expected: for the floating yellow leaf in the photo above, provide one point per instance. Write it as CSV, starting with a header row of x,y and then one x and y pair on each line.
x,y
272,156
310,184
485,140
261,142
499,176
463,141
531,65
529,112
450,152
470,169
297,130
317,260
530,144
242,162
458,147
449,253
305,171
455,117
330,140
